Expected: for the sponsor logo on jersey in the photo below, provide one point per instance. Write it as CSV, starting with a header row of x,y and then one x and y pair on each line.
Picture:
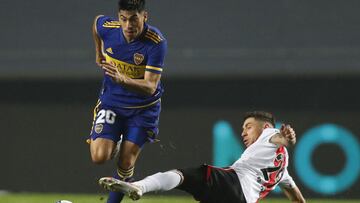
x,y
130,70
138,58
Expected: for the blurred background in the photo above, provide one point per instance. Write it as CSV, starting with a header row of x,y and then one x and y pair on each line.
x,y
297,59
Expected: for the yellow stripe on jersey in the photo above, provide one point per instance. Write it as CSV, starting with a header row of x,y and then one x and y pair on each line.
x,y
154,68
154,34
96,109
130,70
152,38
112,24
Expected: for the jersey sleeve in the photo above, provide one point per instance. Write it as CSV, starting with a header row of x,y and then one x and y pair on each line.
x,y
103,24
287,181
156,58
267,134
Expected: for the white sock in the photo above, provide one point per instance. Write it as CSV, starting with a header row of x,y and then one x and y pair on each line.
x,y
159,182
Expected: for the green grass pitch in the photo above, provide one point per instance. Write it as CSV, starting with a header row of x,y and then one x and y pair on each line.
x,y
91,198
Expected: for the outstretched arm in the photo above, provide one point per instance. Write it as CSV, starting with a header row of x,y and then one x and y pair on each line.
x,y
293,194
286,136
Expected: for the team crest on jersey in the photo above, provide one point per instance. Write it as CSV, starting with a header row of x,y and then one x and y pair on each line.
x,y
99,128
138,58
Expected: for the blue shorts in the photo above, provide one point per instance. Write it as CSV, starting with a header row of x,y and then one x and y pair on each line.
x,y
138,125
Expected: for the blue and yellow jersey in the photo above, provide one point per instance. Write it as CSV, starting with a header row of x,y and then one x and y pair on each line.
x,y
146,53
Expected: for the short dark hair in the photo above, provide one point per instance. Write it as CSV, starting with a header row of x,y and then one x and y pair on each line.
x,y
260,115
132,5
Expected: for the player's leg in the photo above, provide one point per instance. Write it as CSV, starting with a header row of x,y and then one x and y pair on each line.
x,y
105,133
101,150
141,127
157,182
134,139
128,155
196,182
223,186
161,181
191,180
129,152
115,185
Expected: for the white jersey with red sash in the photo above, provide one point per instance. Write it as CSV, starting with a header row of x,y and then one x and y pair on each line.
x,y
262,166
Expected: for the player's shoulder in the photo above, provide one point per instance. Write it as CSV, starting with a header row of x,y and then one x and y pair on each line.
x,y
105,25
106,22
154,35
268,133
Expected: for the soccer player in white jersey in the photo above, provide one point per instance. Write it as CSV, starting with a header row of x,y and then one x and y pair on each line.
x,y
261,167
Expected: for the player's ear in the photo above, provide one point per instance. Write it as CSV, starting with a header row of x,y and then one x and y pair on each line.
x,y
145,16
267,125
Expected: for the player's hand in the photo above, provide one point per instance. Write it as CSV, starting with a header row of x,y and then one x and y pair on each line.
x,y
111,70
288,132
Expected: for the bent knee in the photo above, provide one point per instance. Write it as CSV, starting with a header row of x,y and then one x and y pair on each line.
x,y
100,155
101,150
99,158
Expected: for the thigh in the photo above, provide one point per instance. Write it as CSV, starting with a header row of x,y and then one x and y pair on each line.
x,y
142,126
225,185
140,135
107,123
101,149
145,117
210,184
195,182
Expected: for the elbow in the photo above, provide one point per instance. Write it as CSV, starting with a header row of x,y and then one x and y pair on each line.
x,y
150,91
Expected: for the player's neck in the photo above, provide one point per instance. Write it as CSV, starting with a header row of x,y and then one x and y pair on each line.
x,y
130,40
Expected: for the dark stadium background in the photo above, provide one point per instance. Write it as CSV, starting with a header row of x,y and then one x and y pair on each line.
x,y
297,59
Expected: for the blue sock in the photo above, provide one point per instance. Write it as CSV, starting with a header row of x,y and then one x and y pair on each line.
x,y
115,197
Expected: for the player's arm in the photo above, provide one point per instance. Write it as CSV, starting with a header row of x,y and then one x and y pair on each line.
x,y
288,186
293,194
286,136
153,69
146,86
100,59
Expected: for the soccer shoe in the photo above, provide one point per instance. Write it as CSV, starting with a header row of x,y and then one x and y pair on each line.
x,y
115,185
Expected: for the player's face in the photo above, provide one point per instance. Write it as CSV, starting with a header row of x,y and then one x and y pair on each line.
x,y
132,23
252,129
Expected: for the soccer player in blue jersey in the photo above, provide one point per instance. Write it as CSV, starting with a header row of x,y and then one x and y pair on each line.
x,y
131,53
